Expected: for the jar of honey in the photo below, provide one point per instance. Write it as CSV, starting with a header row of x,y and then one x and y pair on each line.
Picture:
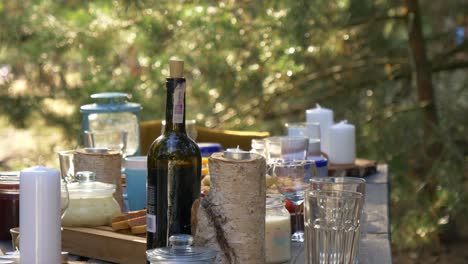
x,y
9,203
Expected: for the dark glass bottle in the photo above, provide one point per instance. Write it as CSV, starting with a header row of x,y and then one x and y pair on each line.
x,y
174,169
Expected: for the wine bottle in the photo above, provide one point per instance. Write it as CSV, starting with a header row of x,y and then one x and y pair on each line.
x,y
174,169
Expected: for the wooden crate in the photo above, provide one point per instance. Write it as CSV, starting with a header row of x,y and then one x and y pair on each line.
x,y
104,244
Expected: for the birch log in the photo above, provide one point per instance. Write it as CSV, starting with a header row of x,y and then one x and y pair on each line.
x,y
107,166
231,218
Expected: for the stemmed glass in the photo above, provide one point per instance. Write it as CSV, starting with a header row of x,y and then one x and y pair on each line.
x,y
292,178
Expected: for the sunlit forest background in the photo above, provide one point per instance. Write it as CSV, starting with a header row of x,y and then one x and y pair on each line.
x,y
398,70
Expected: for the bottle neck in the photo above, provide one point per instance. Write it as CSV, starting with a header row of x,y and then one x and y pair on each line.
x,y
175,105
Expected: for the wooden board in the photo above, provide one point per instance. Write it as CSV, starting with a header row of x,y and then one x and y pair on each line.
x,y
360,168
104,244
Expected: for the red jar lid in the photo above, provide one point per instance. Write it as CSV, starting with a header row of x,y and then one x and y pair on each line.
x,y
9,182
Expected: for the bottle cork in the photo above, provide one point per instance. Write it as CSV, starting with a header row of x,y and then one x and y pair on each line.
x,y
176,68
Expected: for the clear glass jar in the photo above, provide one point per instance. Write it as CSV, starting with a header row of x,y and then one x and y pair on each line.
x,y
277,231
91,203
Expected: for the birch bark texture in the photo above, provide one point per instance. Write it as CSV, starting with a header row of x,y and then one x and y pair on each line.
x,y
107,166
231,218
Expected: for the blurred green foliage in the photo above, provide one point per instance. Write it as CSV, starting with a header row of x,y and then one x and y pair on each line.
x,y
255,65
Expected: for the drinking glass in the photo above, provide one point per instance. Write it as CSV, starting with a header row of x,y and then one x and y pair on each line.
x,y
109,139
296,129
352,184
286,148
309,130
331,223
67,173
347,184
292,180
67,169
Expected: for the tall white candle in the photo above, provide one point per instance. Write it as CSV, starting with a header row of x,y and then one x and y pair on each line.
x,y
40,216
324,117
342,143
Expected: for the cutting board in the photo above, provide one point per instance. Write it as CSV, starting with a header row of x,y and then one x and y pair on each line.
x,y
360,168
104,244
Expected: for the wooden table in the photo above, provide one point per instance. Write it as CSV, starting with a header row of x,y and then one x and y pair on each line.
x,y
375,239
375,242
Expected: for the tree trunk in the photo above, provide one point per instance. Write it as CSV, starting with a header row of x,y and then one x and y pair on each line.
x,y
422,69
231,218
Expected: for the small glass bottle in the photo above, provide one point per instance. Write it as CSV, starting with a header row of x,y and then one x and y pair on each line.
x,y
277,231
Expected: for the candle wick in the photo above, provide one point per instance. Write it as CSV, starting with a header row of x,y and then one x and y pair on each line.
x,y
238,147
317,105
39,160
344,121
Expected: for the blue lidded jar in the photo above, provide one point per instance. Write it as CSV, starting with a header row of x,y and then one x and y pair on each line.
x,y
111,111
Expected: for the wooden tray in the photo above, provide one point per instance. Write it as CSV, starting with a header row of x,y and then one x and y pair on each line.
x,y
360,168
104,244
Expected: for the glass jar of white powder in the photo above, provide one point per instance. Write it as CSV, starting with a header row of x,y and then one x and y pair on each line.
x,y
277,231
91,203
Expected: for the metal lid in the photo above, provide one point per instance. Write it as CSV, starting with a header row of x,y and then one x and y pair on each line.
x,y
111,103
237,154
181,251
9,182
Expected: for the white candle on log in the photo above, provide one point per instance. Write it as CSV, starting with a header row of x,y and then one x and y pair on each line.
x,y
324,117
231,218
342,143
40,240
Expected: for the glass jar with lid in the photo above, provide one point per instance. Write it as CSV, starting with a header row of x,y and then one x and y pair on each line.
x,y
9,203
91,203
112,112
277,231
181,251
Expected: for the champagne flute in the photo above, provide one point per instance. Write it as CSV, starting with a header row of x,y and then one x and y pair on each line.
x,y
292,178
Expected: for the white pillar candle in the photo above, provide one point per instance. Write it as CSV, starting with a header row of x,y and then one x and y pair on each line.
x,y
324,117
40,216
342,143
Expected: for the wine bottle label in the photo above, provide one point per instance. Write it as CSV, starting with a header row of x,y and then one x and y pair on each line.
x,y
151,204
151,223
178,108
